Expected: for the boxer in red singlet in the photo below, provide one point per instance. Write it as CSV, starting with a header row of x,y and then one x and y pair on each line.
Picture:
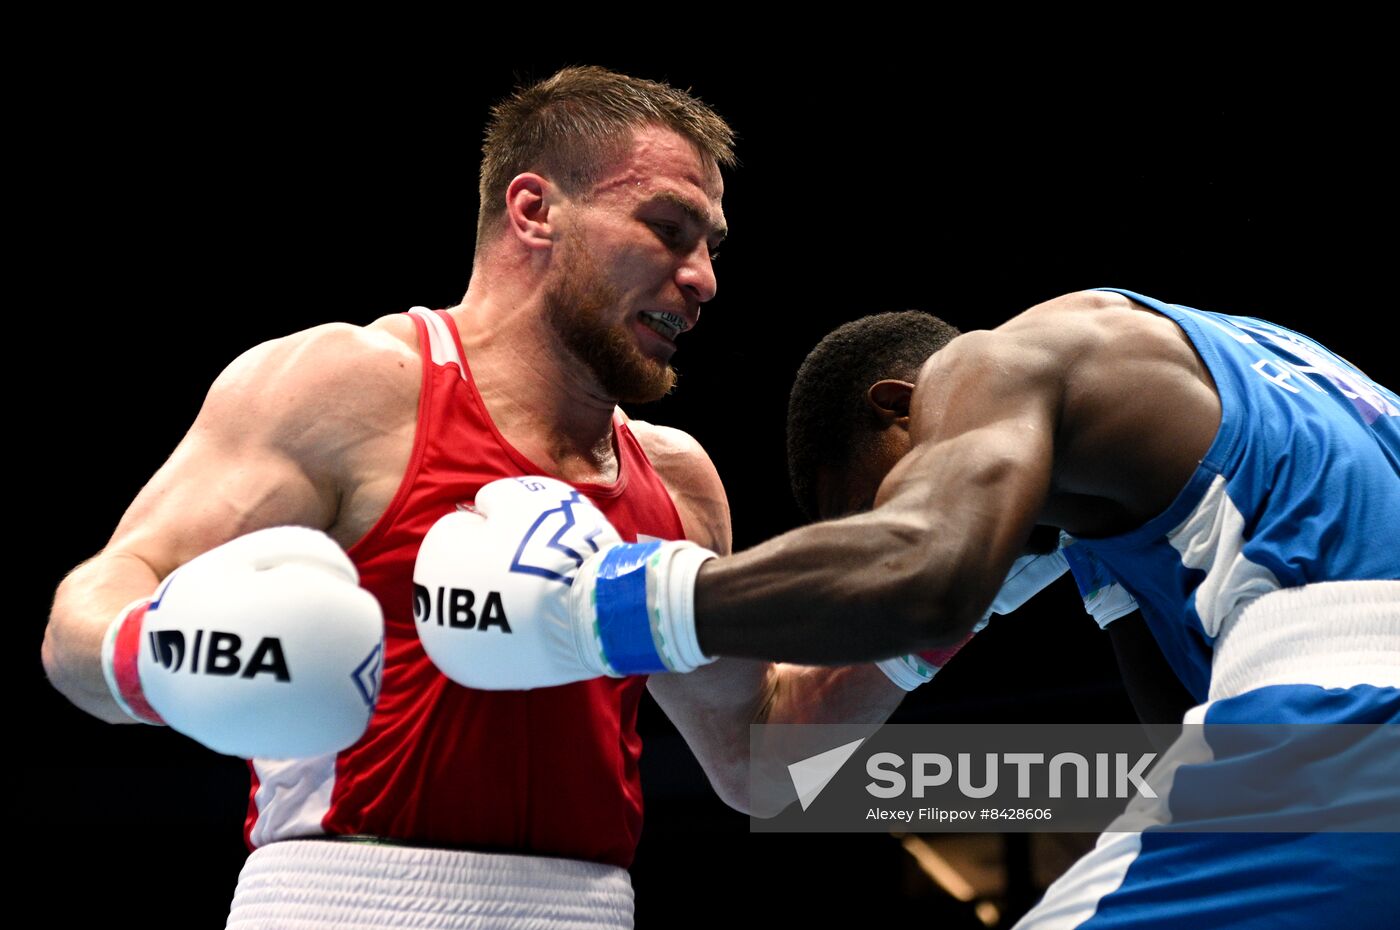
x,y
601,208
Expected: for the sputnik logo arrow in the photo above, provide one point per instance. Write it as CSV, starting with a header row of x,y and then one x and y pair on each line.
x,y
812,774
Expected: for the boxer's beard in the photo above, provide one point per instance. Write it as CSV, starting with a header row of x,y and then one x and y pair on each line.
x,y
578,306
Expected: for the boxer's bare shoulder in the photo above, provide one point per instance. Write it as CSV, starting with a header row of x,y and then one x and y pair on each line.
x,y
690,477
1138,407
308,429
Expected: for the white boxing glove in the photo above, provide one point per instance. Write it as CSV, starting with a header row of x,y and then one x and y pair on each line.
x,y
1104,598
1029,575
505,594
263,647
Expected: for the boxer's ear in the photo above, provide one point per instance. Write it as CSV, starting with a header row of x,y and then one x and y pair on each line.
x,y
889,399
529,210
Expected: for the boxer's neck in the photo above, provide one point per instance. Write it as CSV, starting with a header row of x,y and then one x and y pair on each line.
x,y
543,399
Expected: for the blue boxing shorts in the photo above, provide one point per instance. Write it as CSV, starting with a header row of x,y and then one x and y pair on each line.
x,y
1279,805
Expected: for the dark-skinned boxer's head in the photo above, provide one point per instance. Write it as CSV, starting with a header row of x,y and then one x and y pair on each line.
x,y
848,413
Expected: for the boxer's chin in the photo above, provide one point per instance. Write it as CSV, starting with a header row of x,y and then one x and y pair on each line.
x,y
579,307
620,367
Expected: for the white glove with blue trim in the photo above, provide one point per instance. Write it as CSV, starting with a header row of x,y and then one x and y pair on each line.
x,y
534,588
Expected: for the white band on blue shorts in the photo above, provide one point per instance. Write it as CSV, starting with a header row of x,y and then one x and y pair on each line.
x,y
1337,634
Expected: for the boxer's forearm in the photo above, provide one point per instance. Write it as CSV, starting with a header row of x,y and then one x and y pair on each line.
x,y
85,604
859,697
845,694
851,590
713,708
1156,693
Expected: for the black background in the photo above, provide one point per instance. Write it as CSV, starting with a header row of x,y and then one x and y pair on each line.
x,y
194,202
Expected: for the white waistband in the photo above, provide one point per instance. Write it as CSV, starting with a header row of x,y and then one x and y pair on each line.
x,y
1336,634
318,884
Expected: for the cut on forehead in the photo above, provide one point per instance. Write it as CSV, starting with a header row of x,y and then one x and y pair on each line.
x,y
671,172
651,153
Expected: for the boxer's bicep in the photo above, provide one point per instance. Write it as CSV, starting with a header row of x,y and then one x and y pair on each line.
x,y
915,573
975,497
245,464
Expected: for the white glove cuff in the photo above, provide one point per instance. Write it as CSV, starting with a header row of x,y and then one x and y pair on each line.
x,y
675,577
1109,603
583,616
908,672
1104,598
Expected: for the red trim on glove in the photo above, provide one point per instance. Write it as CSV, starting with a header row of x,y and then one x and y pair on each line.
x,y
126,649
939,657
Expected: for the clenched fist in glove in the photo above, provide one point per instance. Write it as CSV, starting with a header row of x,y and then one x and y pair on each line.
x,y
533,587
265,647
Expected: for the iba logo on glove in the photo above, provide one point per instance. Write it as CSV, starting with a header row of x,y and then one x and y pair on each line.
x,y
458,608
219,653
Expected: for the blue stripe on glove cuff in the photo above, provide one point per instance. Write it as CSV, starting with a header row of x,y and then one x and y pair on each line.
x,y
624,623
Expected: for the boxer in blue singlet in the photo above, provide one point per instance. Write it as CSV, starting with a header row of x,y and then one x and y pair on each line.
x,y
1238,480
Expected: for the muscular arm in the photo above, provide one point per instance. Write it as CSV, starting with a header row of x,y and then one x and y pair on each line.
x,y
266,449
1156,693
919,570
713,706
